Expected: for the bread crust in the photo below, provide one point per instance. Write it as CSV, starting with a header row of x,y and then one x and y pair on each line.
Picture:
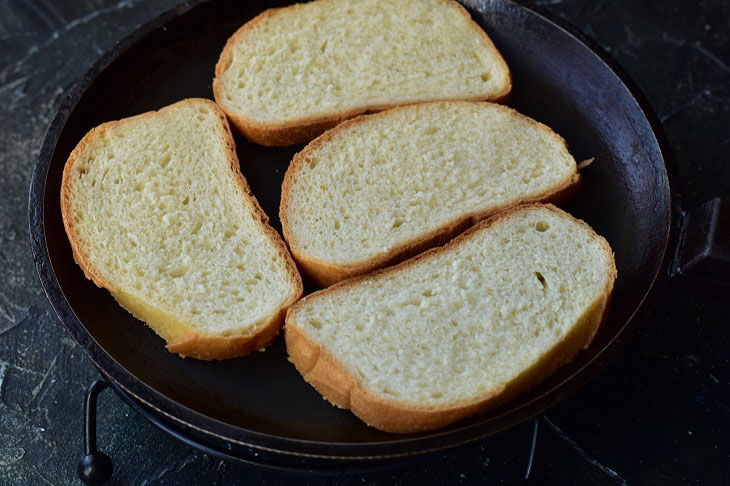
x,y
325,273
339,386
305,129
181,337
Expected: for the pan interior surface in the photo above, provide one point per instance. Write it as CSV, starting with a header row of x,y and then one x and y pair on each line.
x,y
557,80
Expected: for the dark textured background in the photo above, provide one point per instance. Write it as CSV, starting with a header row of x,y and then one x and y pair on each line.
x,y
659,415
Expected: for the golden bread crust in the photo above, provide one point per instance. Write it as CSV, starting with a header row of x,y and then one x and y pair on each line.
x,y
305,129
325,273
339,386
180,336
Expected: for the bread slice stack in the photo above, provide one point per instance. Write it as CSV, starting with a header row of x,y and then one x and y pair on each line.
x,y
384,187
459,328
158,213
292,73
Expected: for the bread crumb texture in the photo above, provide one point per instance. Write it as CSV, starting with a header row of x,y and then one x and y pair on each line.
x,y
160,217
333,56
382,181
461,324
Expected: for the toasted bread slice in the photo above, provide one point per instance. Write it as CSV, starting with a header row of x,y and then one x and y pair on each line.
x,y
292,73
381,188
459,328
158,213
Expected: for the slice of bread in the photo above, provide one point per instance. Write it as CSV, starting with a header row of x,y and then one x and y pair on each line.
x,y
158,213
292,73
459,328
384,187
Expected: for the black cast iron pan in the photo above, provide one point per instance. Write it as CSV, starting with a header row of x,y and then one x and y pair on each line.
x,y
258,408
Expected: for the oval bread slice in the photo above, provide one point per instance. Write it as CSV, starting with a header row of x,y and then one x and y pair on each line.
x,y
158,213
459,328
384,187
292,73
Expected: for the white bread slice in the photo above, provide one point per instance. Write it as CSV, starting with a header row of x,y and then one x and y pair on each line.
x,y
381,188
292,73
460,328
158,213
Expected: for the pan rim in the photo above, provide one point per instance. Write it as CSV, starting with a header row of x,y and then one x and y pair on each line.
x,y
407,446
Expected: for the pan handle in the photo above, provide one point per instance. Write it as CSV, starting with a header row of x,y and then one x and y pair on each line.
x,y
702,261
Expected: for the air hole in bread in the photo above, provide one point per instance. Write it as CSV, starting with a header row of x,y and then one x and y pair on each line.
x,y
179,271
541,279
542,226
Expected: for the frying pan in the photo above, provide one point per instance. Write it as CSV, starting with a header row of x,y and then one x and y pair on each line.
x,y
258,409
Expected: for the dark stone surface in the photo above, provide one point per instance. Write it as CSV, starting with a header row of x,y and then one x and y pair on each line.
x,y
659,415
